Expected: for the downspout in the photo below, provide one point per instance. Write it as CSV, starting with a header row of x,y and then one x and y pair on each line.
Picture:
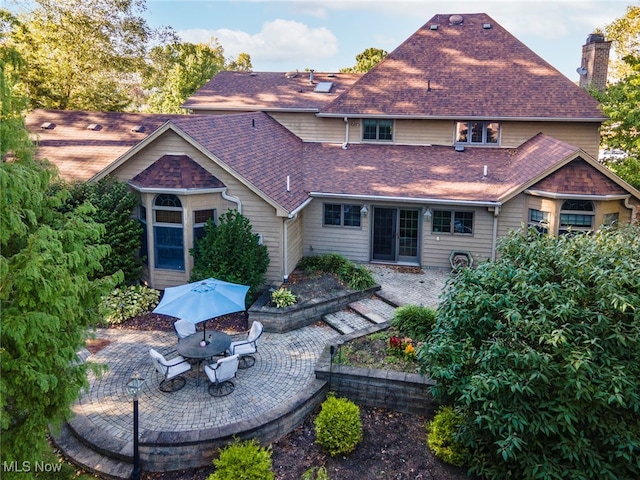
x,y
346,133
233,199
494,238
285,246
634,209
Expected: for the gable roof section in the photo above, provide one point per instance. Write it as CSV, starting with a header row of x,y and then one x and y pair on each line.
x,y
80,153
252,147
175,172
465,71
268,91
579,178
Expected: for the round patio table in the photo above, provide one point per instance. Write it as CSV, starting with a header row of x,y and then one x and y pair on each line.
x,y
189,347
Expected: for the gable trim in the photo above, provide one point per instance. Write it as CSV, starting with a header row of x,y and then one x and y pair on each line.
x,y
177,191
575,196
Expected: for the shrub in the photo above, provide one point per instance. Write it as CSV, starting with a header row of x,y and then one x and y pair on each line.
x,y
243,460
338,426
414,321
127,302
283,297
313,473
539,351
355,276
441,433
230,251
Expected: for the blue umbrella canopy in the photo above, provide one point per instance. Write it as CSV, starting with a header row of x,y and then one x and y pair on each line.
x,y
202,300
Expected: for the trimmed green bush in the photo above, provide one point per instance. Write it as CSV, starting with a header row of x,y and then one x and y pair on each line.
x,y
230,251
414,321
127,302
539,351
283,297
243,460
355,276
441,433
338,426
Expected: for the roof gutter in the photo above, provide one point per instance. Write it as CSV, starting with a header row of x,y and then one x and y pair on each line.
x,y
462,117
177,191
295,211
432,201
577,196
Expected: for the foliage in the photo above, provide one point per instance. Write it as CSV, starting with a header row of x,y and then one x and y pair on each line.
x,y
177,71
48,300
114,204
128,302
96,73
355,276
243,460
441,436
540,348
623,33
366,60
414,321
283,297
314,473
338,426
230,251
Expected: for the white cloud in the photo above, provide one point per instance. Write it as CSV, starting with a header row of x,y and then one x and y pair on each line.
x,y
278,40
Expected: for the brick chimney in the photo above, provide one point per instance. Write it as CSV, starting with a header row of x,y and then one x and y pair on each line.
x,y
595,62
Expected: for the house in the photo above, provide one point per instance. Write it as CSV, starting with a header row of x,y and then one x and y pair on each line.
x,y
460,135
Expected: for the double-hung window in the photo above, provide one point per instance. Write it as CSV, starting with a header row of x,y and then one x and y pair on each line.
x,y
447,221
478,133
168,232
200,218
539,220
373,129
339,215
576,216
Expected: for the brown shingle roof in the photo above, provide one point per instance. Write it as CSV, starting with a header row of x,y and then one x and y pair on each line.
x,y
80,153
429,172
472,72
579,178
251,91
176,171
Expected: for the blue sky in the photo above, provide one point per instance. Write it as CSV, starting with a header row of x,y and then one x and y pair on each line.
x,y
327,35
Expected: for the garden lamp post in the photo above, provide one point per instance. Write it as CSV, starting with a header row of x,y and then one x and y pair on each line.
x,y
133,389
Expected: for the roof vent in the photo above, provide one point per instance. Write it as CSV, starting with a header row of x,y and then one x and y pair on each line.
x,y
138,129
291,74
459,148
253,74
486,26
48,126
94,126
455,19
433,27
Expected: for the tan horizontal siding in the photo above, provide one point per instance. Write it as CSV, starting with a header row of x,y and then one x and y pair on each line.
x,y
311,128
582,135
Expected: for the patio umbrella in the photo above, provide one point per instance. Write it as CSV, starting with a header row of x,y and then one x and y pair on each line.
x,y
202,300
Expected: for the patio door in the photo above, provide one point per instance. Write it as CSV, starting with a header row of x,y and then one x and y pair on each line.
x,y
396,232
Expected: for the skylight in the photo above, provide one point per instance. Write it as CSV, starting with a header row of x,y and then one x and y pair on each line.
x,y
323,87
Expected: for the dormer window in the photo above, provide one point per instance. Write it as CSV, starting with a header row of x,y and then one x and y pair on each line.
x,y
373,129
478,133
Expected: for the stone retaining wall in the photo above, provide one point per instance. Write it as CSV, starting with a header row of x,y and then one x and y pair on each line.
x,y
398,391
281,320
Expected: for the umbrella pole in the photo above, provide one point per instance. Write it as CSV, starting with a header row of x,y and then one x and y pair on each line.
x,y
204,332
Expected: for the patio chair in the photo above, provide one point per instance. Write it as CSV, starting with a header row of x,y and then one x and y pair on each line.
x,y
184,328
220,374
171,370
246,348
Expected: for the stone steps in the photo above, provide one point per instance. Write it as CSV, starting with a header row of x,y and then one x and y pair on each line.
x,y
360,315
88,459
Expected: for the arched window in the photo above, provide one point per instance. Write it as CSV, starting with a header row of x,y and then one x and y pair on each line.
x,y
168,232
576,216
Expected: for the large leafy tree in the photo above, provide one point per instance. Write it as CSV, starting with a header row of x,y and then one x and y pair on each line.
x,y
47,299
177,70
539,352
82,54
621,99
366,60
